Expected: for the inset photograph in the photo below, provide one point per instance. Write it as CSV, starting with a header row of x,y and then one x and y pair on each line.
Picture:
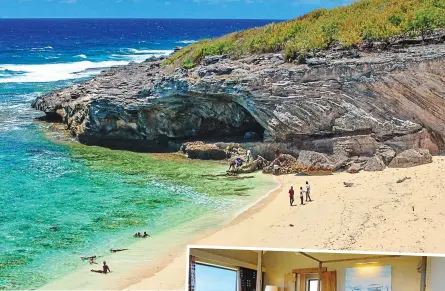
x,y
222,269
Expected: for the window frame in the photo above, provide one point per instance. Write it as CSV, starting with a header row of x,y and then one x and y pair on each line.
x,y
308,281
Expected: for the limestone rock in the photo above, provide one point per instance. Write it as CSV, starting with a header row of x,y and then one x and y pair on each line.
x,y
411,158
375,164
354,168
287,165
202,151
386,153
344,106
314,161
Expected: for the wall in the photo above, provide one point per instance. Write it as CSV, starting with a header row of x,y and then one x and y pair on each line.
x,y
405,276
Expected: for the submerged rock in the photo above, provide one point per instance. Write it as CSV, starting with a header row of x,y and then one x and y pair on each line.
x,y
411,158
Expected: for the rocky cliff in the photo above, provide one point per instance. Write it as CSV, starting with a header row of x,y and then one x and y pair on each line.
x,y
343,101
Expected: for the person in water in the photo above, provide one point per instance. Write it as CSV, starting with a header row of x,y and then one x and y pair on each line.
x,y
105,269
118,250
91,259
291,195
145,235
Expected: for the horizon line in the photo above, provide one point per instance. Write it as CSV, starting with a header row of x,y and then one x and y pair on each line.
x,y
133,18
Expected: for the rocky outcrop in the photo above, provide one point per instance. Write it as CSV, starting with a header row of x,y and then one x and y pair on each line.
x,y
346,106
203,151
375,164
259,164
314,161
386,154
411,158
287,165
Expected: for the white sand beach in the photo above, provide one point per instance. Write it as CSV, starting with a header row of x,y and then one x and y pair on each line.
x,y
376,214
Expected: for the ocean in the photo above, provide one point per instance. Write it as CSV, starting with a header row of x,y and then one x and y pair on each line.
x,y
97,198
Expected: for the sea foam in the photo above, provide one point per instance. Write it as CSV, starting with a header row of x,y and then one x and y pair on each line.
x,y
53,72
14,73
186,41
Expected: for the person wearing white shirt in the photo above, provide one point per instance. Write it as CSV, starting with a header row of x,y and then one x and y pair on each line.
x,y
249,155
308,192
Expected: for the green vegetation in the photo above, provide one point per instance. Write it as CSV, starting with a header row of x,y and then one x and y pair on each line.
x,y
366,19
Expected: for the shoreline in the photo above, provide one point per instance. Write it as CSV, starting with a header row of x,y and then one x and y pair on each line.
x,y
374,214
161,257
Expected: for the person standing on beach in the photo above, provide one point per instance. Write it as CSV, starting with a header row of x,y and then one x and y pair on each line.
x,y
291,195
277,153
308,192
301,195
249,155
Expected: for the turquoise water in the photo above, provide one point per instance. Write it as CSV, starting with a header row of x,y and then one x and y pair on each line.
x,y
44,185
95,205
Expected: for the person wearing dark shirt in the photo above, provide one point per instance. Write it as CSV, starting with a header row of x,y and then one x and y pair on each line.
x,y
301,195
277,153
105,269
291,196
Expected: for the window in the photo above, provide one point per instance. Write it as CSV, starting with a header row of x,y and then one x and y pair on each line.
x,y
210,278
312,285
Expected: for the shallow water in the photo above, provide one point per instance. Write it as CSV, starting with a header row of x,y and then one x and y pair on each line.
x,y
96,197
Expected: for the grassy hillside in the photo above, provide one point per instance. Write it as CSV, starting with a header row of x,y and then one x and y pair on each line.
x,y
349,25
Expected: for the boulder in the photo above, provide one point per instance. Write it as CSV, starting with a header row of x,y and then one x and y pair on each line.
x,y
259,164
202,151
411,158
355,168
288,165
314,161
386,154
375,164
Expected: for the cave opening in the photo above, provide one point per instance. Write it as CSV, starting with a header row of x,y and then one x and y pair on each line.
x,y
242,127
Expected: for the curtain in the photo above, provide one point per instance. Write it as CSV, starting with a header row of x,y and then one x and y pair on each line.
x,y
192,273
247,279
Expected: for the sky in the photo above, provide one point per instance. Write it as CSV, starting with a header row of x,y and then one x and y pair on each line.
x,y
215,279
226,9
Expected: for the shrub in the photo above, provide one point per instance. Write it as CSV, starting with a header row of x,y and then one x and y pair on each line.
x,y
348,25
188,64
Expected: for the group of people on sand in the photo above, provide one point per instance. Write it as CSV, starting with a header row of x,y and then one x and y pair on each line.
x,y
105,267
302,192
